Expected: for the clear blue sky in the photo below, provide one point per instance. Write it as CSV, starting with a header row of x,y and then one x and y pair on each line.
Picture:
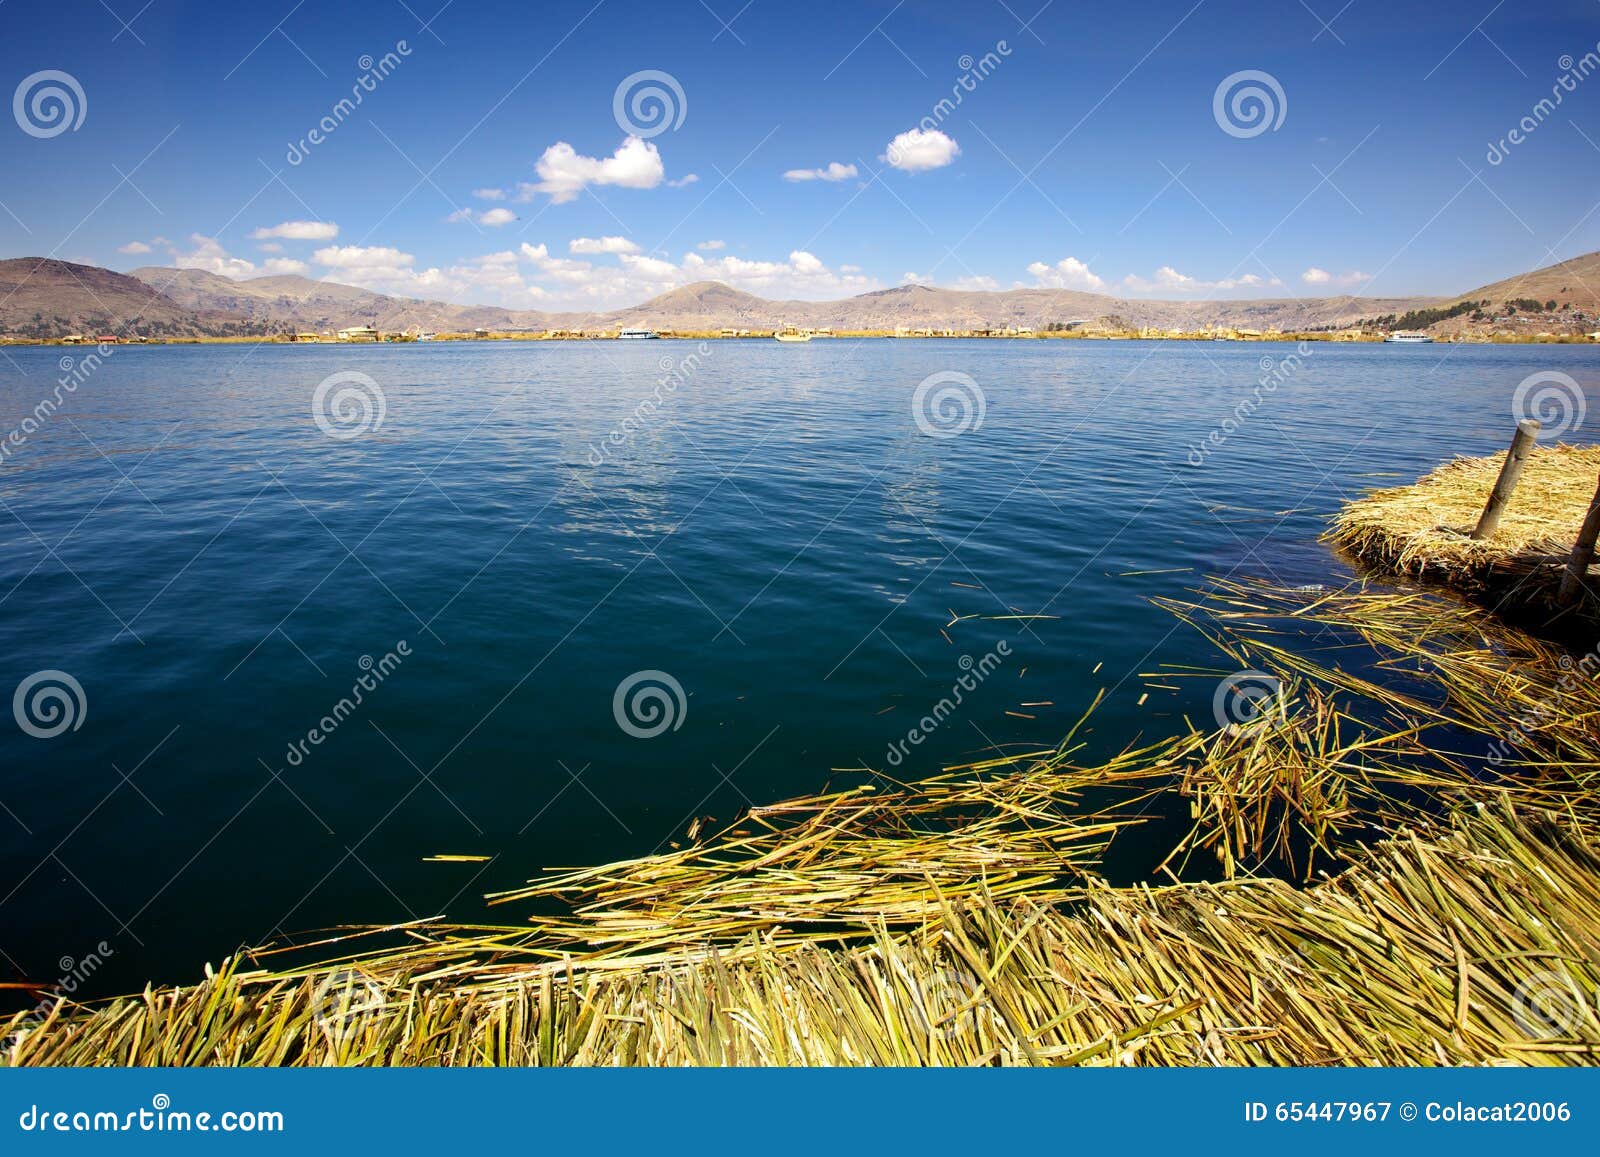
x,y
1089,156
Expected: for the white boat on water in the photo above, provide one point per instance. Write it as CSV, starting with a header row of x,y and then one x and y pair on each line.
x,y
637,335
1408,337
790,333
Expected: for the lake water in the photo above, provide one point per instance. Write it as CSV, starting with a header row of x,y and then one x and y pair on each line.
x,y
533,524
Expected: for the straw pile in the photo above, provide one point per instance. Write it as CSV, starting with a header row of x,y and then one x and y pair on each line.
x,y
1423,530
1436,783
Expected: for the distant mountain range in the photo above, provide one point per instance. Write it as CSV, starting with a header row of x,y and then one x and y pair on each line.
x,y
42,298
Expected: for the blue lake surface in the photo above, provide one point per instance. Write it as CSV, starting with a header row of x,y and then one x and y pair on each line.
x,y
532,524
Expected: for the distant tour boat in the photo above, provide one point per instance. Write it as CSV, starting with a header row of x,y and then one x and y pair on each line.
x,y
637,334
1409,337
789,333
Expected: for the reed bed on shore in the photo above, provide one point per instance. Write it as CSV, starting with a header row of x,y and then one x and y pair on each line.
x,y
1424,530
1406,840
1472,943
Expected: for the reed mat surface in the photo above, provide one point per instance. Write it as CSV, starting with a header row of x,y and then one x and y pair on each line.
x,y
1424,530
1393,862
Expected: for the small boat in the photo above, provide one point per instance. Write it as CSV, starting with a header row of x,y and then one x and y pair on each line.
x,y
637,335
1409,337
790,333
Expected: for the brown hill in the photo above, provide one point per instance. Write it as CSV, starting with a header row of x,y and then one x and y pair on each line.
x,y
41,297
48,298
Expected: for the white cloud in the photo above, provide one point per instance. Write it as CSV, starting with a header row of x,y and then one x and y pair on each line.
x,y
1315,276
1068,273
209,255
834,171
1169,282
133,247
601,245
912,278
490,218
564,173
983,283
270,247
708,246
383,269
636,277
283,265
298,231
489,194
649,268
917,150
684,181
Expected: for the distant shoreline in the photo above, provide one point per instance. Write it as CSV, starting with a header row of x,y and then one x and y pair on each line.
x,y
690,335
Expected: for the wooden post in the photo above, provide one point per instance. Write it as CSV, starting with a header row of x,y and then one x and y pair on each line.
x,y
1516,458
1582,554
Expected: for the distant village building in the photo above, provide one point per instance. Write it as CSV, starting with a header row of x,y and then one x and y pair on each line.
x,y
359,333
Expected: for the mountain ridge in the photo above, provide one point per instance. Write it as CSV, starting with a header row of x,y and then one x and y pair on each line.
x,y
43,297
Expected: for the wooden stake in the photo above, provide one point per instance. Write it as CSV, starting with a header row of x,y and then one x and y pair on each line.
x,y
1582,554
1510,473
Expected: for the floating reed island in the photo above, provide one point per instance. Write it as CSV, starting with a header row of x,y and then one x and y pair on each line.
x,y
1399,866
1515,532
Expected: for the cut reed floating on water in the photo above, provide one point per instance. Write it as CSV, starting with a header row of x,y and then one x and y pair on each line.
x,y
961,919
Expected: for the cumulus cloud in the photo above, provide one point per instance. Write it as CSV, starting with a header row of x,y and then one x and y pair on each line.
x,y
601,245
684,181
1322,277
209,255
298,231
1068,273
635,277
282,265
1168,280
490,218
381,268
133,247
833,171
917,150
489,194
708,246
564,172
